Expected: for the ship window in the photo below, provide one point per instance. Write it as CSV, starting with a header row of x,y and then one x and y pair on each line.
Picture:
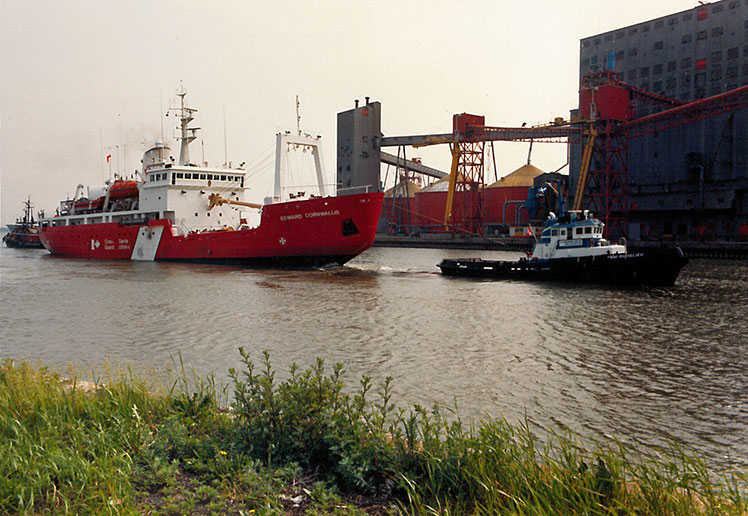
x,y
210,177
173,179
223,178
554,232
196,214
587,230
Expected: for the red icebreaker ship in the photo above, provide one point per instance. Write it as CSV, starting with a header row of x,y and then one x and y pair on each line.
x,y
188,213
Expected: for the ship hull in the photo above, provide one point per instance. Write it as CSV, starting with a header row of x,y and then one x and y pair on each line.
x,y
306,233
659,267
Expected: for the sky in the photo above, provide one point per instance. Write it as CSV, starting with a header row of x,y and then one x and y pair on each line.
x,y
82,79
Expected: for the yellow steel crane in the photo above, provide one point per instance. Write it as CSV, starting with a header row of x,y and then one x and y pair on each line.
x,y
584,167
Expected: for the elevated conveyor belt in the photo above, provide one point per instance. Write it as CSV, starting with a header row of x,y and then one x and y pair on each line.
x,y
391,159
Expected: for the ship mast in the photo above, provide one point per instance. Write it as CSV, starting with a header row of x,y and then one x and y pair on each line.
x,y
187,133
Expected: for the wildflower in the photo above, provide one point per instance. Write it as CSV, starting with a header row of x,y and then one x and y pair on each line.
x,y
222,452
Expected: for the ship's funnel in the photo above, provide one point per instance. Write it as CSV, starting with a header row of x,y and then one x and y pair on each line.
x,y
156,156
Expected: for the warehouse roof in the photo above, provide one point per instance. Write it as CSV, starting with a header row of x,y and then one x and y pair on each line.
x,y
412,189
442,185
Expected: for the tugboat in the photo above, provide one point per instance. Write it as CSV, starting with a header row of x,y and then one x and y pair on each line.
x,y
183,212
572,248
25,232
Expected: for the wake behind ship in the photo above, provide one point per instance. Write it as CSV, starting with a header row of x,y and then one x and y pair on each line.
x,y
188,213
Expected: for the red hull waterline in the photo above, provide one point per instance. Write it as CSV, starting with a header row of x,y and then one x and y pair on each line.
x,y
308,233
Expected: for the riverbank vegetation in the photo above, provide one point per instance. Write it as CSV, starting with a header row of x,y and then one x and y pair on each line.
x,y
310,445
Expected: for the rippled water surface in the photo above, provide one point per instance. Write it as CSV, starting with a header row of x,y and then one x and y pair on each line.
x,y
643,365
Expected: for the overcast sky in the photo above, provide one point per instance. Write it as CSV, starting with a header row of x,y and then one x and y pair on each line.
x,y
80,79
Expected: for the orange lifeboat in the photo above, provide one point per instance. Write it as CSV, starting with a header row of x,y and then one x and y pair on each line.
x,y
121,189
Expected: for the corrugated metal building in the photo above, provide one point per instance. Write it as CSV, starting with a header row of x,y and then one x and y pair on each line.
x,y
688,181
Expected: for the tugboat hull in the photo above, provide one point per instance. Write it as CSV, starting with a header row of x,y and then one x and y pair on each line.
x,y
658,267
23,239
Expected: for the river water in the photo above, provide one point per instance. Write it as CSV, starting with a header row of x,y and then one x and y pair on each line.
x,y
643,365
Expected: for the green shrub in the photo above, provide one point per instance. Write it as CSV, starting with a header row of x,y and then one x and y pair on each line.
x,y
309,420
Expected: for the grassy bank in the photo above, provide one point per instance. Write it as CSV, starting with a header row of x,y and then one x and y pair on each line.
x,y
310,445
